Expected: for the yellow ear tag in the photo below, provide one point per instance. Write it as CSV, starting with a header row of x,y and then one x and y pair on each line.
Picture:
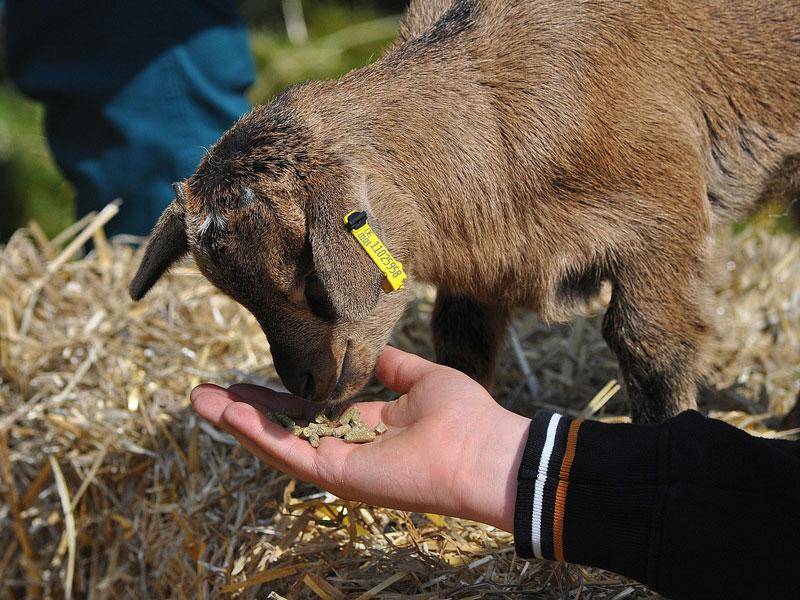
x,y
356,223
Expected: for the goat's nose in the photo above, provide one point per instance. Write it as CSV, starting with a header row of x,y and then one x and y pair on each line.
x,y
309,387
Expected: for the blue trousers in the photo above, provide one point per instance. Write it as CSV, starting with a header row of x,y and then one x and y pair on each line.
x,y
134,90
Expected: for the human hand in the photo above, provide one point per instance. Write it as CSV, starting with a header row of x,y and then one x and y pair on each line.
x,y
450,448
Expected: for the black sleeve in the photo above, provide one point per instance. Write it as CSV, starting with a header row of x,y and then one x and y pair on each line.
x,y
693,508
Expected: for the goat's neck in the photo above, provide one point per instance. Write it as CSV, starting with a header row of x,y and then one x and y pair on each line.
x,y
430,145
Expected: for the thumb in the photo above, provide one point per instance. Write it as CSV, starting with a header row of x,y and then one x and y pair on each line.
x,y
399,370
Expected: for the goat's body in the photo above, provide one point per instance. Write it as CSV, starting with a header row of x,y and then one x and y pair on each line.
x,y
549,145
515,153
617,118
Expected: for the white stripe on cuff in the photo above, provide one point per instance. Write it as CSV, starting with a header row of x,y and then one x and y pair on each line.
x,y
538,490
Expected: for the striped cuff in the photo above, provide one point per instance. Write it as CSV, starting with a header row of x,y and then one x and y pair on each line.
x,y
591,493
542,485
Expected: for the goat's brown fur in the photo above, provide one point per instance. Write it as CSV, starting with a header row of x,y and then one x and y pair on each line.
x,y
515,153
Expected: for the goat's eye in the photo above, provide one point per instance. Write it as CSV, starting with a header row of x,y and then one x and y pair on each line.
x,y
317,299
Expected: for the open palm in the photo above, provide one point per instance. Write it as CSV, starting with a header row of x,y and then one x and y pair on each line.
x,y
449,449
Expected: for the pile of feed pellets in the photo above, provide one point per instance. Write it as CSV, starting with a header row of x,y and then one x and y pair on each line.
x,y
350,427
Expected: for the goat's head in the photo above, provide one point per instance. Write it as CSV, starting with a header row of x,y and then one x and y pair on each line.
x,y
263,218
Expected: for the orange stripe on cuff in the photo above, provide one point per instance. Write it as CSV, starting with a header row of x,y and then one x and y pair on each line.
x,y
561,491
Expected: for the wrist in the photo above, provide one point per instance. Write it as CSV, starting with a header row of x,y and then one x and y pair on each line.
x,y
489,480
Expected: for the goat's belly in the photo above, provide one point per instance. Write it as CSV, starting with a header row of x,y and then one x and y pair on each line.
x,y
739,179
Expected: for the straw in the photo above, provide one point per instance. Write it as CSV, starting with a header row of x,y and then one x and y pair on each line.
x,y
111,486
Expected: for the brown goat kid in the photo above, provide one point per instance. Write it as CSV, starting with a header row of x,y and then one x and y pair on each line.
x,y
515,153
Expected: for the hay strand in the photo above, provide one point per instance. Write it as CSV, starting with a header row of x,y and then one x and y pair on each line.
x,y
53,266
69,525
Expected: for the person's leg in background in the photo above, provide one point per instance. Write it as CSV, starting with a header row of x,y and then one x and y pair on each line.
x,y
133,91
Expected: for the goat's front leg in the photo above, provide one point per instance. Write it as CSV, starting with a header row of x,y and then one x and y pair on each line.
x,y
467,334
656,327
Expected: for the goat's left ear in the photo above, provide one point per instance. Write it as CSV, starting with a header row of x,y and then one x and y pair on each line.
x,y
167,244
351,280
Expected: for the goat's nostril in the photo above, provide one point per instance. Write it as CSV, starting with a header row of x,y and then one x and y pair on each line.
x,y
309,387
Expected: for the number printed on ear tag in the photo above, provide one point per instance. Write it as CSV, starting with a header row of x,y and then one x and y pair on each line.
x,y
356,223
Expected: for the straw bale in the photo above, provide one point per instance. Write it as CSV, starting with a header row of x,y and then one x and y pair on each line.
x,y
109,481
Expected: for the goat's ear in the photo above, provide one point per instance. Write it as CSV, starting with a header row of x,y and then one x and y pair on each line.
x,y
351,280
166,245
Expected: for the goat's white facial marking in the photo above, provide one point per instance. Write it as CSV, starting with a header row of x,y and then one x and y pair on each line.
x,y
248,196
210,230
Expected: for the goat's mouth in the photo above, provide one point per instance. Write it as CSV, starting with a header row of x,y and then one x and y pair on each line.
x,y
344,374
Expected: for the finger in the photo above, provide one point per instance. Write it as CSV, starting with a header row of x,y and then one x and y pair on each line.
x,y
256,451
399,370
210,401
267,399
328,469
284,449
296,407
